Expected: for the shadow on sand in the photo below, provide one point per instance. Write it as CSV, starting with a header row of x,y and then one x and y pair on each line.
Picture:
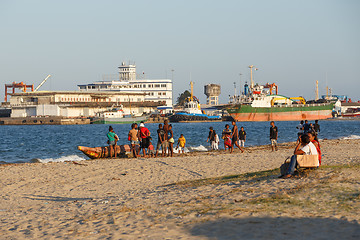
x,y
55,199
277,228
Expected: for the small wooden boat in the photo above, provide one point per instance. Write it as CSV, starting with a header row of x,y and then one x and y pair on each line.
x,y
103,152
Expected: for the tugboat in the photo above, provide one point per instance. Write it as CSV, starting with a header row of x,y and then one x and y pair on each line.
x,y
192,111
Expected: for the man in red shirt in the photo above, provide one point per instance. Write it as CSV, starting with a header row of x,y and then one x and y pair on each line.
x,y
144,135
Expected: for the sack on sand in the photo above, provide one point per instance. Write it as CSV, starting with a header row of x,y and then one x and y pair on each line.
x,y
284,167
307,161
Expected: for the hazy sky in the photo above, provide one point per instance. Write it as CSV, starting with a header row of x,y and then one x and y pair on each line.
x,y
292,43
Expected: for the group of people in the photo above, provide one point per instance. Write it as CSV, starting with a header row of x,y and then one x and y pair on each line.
x,y
140,140
305,127
232,137
307,144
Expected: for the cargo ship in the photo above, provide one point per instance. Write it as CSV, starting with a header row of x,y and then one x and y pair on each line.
x,y
263,103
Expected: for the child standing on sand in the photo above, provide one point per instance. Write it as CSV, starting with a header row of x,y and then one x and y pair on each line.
x,y
242,136
151,150
181,143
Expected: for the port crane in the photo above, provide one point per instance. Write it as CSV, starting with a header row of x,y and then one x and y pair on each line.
x,y
37,88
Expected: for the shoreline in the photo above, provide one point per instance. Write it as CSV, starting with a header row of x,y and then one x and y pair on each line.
x,y
196,196
190,153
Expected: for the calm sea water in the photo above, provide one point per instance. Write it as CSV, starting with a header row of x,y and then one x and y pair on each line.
x,y
59,143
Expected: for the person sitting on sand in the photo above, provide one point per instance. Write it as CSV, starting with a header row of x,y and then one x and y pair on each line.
x,y
133,137
304,147
170,137
314,139
181,143
112,140
226,135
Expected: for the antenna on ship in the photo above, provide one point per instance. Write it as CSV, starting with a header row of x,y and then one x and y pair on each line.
x,y
240,84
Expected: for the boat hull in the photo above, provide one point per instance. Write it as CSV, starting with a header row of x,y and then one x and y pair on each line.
x,y
247,113
103,152
188,117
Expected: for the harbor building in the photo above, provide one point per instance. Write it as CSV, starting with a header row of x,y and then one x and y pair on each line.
x,y
155,90
78,104
212,92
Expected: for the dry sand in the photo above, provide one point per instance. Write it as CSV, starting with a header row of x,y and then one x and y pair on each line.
x,y
197,196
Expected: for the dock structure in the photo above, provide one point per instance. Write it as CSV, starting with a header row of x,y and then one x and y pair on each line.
x,y
16,85
43,121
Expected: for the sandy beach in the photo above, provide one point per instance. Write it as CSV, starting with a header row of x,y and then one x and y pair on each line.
x,y
208,195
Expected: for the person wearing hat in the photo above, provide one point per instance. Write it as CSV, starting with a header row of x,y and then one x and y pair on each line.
x,y
211,137
144,135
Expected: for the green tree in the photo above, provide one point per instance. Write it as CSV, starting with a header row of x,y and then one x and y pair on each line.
x,y
182,98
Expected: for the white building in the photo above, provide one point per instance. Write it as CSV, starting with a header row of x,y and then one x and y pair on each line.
x,y
77,104
157,90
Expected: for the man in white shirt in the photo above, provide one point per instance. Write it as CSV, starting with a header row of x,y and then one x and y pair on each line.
x,y
304,147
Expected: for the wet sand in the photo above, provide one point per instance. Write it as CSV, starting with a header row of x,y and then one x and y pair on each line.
x,y
209,195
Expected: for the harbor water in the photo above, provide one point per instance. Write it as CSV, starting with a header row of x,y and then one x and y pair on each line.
x,y
54,143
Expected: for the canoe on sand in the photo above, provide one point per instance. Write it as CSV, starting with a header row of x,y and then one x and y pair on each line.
x,y
103,152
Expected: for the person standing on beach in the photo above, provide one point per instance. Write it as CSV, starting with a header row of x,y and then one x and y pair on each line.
x,y
166,140
235,137
211,137
170,136
306,126
226,135
133,136
242,136
161,141
300,128
181,143
317,127
273,136
144,135
216,142
112,140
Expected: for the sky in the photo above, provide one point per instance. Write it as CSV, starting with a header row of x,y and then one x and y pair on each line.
x,y
292,43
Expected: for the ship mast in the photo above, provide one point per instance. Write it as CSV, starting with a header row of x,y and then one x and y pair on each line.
x,y
192,88
317,90
251,76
